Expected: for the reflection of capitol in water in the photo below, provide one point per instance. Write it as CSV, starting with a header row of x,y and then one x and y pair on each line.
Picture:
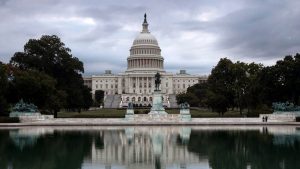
x,y
149,147
198,147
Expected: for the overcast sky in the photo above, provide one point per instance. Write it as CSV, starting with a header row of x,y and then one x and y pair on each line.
x,y
193,34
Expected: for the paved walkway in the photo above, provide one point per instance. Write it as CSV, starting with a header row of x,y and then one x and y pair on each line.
x,y
171,120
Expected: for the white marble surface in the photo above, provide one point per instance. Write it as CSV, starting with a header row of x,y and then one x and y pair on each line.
x,y
144,119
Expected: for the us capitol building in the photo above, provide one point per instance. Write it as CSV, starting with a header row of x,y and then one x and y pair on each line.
x,y
136,84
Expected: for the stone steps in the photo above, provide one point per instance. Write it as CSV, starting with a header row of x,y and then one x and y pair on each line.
x,y
108,101
112,101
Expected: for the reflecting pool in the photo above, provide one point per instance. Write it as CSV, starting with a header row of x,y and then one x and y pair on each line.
x,y
207,147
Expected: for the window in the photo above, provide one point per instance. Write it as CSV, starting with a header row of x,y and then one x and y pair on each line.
x,y
111,86
106,86
96,86
167,84
127,98
145,99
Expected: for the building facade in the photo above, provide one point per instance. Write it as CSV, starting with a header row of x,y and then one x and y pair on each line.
x,y
136,84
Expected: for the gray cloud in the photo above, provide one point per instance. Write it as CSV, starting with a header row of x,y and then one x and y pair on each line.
x,y
193,34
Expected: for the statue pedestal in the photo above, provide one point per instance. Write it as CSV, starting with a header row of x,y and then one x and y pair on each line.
x,y
157,105
26,114
129,114
185,115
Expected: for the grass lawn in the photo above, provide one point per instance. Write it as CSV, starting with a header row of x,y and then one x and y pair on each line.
x,y
120,113
100,113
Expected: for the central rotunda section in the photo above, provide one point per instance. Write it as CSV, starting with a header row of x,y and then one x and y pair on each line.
x,y
145,53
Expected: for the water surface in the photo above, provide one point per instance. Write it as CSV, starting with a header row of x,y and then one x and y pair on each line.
x,y
222,147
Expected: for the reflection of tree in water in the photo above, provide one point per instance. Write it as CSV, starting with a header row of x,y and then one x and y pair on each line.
x,y
237,149
61,150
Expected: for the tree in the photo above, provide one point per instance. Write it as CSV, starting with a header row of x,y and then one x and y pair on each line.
x,y
200,91
221,85
35,87
87,97
99,96
253,89
50,56
190,98
280,83
289,77
251,86
240,74
218,103
3,89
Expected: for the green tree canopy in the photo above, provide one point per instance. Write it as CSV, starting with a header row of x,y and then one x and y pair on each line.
x,y
3,88
99,96
50,56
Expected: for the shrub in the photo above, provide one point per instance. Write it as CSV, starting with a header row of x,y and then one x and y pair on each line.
x,y
146,111
9,120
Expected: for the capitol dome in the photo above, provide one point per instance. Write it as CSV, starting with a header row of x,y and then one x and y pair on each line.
x,y
145,53
145,38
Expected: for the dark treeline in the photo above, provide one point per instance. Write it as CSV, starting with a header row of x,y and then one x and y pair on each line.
x,y
59,150
45,74
241,149
251,88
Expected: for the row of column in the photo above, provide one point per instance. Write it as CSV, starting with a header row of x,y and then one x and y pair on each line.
x,y
137,82
145,51
145,63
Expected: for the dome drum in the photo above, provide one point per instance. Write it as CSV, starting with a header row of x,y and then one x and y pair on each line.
x,y
145,51
145,63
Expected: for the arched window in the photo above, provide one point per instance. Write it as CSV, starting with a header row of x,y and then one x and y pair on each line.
x,y
145,99
139,99
150,99
133,99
